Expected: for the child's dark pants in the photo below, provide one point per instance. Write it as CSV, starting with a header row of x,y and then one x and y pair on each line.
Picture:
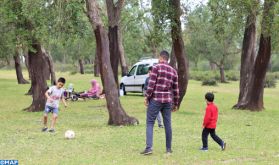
x,y
210,131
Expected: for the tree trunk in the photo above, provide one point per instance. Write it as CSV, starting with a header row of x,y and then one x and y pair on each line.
x,y
99,56
247,59
38,80
46,71
117,116
96,66
8,61
124,67
254,98
51,67
30,91
178,47
114,51
154,51
212,65
114,12
173,61
222,74
262,60
19,75
196,64
81,68
26,64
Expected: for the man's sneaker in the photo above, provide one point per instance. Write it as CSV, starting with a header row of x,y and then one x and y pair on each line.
x,y
51,130
224,146
146,152
44,129
161,126
169,151
204,148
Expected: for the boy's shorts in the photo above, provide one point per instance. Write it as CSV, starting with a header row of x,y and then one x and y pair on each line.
x,y
49,109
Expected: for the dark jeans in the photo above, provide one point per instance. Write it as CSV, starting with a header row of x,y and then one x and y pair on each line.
x,y
210,131
152,112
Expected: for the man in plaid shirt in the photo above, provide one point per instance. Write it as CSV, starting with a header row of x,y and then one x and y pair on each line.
x,y
162,95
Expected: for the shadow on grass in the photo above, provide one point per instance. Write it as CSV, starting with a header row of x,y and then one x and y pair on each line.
x,y
134,94
183,112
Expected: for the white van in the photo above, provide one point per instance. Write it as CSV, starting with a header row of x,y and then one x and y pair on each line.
x,y
134,81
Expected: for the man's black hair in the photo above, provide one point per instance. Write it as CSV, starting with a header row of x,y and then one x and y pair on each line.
x,y
150,68
209,96
165,55
62,80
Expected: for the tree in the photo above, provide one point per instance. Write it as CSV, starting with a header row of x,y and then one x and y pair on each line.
x,y
178,47
96,65
38,80
252,98
218,42
117,116
226,31
124,66
173,61
114,12
133,26
49,63
19,75
28,25
248,51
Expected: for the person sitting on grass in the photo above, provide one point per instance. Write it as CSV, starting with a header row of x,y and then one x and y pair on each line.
x,y
209,123
94,91
54,94
159,117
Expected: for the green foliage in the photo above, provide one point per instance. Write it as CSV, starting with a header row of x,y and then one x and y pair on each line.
x,y
270,81
275,74
60,26
209,82
275,34
74,72
133,32
232,75
204,75
71,36
212,36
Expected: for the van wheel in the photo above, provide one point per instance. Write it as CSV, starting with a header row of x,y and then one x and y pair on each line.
x,y
122,86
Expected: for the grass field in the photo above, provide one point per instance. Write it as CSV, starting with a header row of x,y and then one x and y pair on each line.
x,y
252,137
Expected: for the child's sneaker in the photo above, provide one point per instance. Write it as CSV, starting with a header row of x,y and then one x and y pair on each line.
x,y
44,129
204,148
224,146
51,130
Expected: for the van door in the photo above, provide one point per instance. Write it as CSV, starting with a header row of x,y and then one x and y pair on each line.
x,y
141,75
130,80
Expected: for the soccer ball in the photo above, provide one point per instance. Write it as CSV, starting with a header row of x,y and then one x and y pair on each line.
x,y
69,134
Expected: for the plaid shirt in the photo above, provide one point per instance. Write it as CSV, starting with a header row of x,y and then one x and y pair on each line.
x,y
163,84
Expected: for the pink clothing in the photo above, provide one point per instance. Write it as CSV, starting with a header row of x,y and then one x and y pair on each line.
x,y
95,90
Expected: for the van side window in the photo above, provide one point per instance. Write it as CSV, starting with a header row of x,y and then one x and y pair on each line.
x,y
142,69
132,71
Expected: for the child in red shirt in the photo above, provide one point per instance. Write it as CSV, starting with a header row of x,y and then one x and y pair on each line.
x,y
209,123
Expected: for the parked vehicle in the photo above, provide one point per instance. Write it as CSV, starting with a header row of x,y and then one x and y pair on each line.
x,y
134,81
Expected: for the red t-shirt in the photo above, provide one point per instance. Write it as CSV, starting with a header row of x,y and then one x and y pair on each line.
x,y
211,116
